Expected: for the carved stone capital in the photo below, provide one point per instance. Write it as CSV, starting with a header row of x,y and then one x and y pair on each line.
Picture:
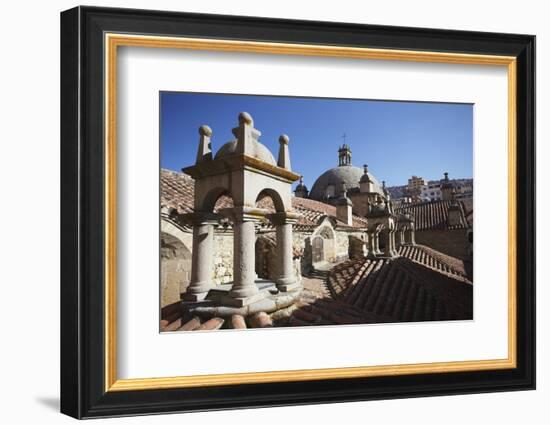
x,y
285,217
244,213
198,218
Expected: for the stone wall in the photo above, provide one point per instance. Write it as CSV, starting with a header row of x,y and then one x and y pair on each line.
x,y
342,246
360,203
175,269
222,271
303,241
357,246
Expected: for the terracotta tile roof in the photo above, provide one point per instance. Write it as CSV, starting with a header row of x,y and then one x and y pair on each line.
x,y
177,191
416,286
420,285
433,215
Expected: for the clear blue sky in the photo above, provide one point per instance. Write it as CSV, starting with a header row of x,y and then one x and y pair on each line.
x,y
396,139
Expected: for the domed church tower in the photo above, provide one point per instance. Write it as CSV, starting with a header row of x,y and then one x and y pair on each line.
x,y
344,155
301,190
361,185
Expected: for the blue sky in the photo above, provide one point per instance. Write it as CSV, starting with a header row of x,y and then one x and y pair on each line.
x,y
396,139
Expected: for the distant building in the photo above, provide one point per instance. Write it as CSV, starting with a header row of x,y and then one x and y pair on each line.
x,y
431,192
415,184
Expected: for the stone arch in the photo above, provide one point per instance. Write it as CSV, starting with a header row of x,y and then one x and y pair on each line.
x,y
175,263
277,200
326,232
317,249
265,257
323,244
242,169
211,198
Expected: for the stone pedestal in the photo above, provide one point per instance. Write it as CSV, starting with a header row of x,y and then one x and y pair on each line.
x,y
201,263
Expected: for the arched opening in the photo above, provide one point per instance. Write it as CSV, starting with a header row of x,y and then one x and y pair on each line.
x,y
321,246
175,272
216,199
271,200
222,258
265,257
317,250
326,233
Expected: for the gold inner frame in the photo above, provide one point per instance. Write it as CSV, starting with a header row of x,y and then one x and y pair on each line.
x,y
113,41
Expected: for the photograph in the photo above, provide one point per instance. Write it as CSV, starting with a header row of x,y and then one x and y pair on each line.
x,y
263,210
280,212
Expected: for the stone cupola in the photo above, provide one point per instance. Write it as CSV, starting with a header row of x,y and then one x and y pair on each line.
x,y
366,184
301,190
344,155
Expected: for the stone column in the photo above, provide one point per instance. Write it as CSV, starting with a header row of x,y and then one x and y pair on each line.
x,y
374,241
244,290
411,235
201,262
244,259
377,243
286,276
388,249
371,248
401,236
393,245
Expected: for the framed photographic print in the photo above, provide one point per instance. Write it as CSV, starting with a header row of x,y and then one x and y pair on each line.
x,y
261,212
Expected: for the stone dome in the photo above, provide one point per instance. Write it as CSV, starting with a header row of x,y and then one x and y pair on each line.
x,y
334,177
260,152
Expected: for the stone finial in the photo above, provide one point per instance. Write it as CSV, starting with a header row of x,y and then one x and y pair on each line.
x,y
365,168
204,130
384,184
204,151
301,190
246,135
284,155
446,174
246,118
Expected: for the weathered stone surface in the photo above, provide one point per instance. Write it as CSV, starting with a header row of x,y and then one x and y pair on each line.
x,y
267,304
211,325
238,322
283,314
260,320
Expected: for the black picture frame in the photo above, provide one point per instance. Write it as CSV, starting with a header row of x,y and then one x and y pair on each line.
x,y
83,392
